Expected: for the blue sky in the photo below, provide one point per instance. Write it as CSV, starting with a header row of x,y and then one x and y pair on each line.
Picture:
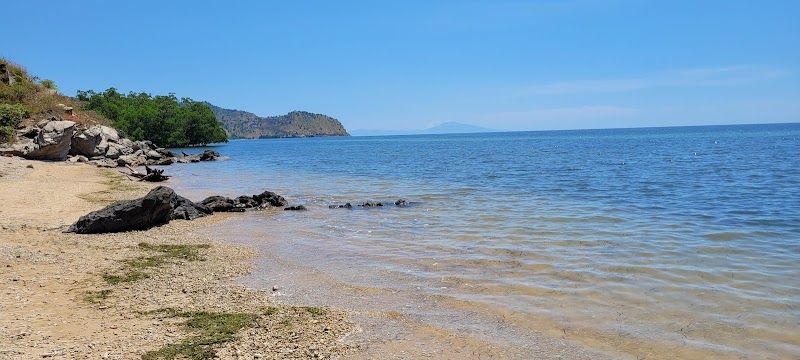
x,y
510,65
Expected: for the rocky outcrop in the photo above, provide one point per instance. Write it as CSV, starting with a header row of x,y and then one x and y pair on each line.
x,y
261,201
156,208
161,205
49,141
153,209
103,146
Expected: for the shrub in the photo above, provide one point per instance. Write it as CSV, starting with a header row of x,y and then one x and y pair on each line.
x,y
48,84
12,115
7,134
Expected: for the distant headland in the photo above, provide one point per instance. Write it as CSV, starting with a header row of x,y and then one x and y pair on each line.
x,y
246,125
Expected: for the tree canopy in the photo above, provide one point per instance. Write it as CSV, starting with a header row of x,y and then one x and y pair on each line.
x,y
162,119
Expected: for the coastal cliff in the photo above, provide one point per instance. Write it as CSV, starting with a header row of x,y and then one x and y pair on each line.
x,y
246,125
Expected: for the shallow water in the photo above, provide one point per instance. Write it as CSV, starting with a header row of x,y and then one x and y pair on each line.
x,y
640,243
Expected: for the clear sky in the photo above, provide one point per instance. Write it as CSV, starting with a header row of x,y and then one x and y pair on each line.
x,y
511,65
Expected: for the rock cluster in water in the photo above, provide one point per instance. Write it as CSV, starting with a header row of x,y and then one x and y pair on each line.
x,y
58,140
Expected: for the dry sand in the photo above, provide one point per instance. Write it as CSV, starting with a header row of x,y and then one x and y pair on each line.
x,y
55,303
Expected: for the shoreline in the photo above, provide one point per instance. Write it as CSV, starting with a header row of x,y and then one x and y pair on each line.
x,y
60,299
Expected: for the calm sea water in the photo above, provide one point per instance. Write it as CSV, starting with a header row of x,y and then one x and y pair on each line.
x,y
648,243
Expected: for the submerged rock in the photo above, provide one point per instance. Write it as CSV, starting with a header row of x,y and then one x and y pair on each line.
x,y
345,206
401,202
295,208
371,204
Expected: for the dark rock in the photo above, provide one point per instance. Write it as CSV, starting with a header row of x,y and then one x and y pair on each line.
x,y
295,208
209,155
245,202
166,153
268,198
401,202
162,162
5,75
371,204
219,203
183,208
32,133
345,206
153,209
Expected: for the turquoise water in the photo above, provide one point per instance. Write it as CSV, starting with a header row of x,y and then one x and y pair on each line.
x,y
630,241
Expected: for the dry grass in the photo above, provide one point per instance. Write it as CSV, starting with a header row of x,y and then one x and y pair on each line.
x,y
43,101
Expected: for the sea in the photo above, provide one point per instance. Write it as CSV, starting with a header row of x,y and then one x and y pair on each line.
x,y
648,243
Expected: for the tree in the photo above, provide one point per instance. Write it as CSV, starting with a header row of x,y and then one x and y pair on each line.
x,y
162,119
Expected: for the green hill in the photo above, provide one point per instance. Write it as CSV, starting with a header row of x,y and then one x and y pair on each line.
x,y
245,125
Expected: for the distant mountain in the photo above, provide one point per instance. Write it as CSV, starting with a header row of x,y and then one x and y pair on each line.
x,y
445,128
456,128
246,125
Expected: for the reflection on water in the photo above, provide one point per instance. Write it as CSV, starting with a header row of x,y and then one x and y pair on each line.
x,y
652,243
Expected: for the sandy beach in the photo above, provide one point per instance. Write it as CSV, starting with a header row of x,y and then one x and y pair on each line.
x,y
62,296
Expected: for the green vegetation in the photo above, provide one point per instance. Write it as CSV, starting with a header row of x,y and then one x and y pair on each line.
x,y
209,328
115,183
48,84
162,119
315,311
18,87
11,116
136,269
97,297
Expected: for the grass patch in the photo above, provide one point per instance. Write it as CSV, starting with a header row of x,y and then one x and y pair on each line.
x,y
129,276
270,311
135,269
187,252
115,184
97,297
208,328
315,311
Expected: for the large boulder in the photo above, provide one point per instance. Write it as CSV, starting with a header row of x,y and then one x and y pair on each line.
x,y
153,209
53,142
93,141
